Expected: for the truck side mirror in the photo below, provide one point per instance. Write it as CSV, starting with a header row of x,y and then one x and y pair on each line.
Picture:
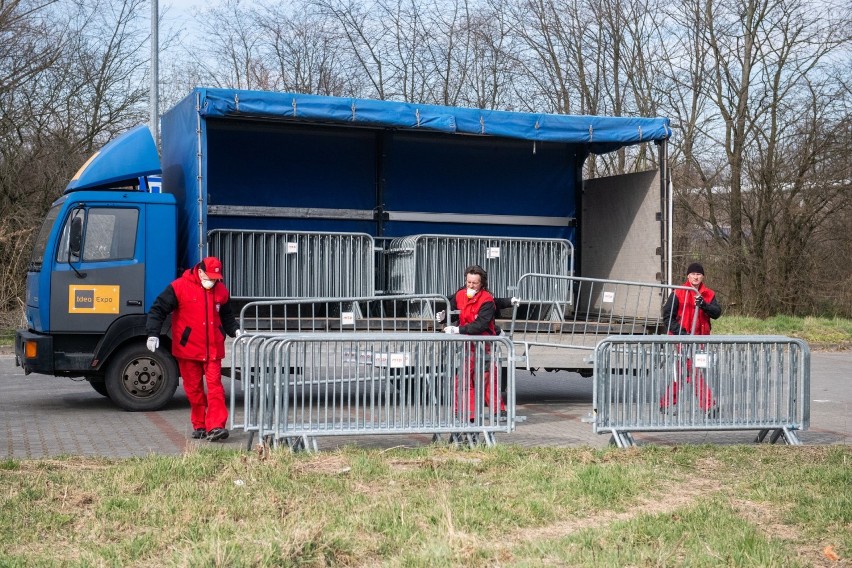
x,y
75,240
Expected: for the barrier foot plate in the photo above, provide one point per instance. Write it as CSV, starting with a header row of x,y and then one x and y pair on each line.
x,y
622,439
302,444
472,439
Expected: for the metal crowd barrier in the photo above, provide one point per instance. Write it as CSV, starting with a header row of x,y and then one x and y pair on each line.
x,y
400,313
685,383
380,260
419,264
290,264
560,319
298,387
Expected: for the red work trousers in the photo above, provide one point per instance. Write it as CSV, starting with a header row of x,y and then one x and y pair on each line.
x,y
492,390
207,411
702,391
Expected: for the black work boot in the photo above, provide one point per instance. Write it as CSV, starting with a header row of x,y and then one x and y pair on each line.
x,y
217,434
199,433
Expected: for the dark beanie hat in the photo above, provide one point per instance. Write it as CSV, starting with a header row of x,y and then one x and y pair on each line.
x,y
695,267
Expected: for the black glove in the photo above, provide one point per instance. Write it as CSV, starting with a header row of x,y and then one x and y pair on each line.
x,y
699,301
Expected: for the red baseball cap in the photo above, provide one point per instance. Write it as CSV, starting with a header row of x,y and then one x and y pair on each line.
x,y
212,267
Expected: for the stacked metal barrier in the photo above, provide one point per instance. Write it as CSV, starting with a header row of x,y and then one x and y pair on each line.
x,y
297,387
560,319
684,383
420,264
291,264
398,313
380,258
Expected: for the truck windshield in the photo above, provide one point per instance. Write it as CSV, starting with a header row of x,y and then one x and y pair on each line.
x,y
37,257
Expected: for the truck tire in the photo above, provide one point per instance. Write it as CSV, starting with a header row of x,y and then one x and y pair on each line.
x,y
100,387
137,379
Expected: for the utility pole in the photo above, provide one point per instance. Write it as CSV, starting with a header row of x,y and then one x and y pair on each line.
x,y
155,74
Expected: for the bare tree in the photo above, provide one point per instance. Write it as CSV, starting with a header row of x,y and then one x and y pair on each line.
x,y
228,52
491,58
757,88
301,48
365,40
447,50
82,83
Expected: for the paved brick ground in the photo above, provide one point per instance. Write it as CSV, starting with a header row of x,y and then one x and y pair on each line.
x,y
45,416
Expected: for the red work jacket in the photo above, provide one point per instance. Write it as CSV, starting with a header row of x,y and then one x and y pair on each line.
x,y
469,309
197,331
686,299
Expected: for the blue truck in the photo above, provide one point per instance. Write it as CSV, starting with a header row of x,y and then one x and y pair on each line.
x,y
133,218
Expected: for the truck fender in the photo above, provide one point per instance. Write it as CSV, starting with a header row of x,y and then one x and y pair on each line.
x,y
125,330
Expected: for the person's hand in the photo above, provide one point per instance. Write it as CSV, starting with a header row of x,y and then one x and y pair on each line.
x,y
238,333
699,301
516,301
451,329
439,317
152,344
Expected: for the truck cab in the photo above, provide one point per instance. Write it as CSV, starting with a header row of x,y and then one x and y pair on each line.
x,y
105,250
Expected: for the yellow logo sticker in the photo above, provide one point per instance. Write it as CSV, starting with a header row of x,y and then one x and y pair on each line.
x,y
93,299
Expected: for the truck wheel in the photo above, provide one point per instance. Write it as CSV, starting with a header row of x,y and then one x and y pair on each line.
x,y
100,387
137,379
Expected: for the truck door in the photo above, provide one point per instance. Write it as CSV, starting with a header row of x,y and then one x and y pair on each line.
x,y
622,231
98,274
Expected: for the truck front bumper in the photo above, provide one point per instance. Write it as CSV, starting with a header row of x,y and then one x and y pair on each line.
x,y
34,352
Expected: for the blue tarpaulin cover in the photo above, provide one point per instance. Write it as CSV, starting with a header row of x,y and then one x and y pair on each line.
x,y
601,133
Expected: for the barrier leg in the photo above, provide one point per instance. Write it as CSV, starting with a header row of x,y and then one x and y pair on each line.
x,y
621,439
790,437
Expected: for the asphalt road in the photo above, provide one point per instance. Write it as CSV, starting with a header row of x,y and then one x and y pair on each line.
x,y
44,416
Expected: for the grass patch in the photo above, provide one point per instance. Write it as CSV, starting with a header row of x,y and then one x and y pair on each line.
x,y
818,332
7,337
433,506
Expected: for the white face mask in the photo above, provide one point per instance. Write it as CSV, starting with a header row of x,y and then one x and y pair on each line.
x,y
207,284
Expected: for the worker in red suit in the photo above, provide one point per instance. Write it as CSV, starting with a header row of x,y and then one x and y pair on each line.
x,y
688,312
201,316
477,312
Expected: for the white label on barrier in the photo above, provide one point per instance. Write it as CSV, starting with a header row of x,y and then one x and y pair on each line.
x,y
492,252
393,360
347,318
355,358
608,297
292,248
702,361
